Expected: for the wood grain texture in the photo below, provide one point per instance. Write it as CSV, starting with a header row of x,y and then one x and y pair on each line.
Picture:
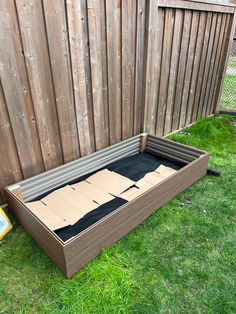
x,y
35,47
57,33
80,56
216,64
165,70
212,64
207,66
202,66
175,55
153,66
113,26
98,56
16,91
128,35
189,69
10,164
139,66
196,65
182,66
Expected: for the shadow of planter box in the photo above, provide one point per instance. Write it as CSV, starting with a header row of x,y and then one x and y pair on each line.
x,y
70,256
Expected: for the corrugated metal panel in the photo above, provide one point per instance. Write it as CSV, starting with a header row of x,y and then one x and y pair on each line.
x,y
35,186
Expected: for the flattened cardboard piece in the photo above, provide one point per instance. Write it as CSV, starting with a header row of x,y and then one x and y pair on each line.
x,y
152,178
92,192
160,169
74,197
165,171
52,220
134,192
110,182
69,204
128,194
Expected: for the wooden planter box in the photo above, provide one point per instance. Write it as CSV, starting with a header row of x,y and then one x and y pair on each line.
x,y
72,255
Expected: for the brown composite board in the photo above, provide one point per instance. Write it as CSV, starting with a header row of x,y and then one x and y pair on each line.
x,y
58,43
49,243
94,232
138,210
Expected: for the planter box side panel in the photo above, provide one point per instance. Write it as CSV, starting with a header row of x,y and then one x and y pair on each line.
x,y
112,228
43,236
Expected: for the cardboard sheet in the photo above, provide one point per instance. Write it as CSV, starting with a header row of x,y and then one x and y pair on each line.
x,y
110,182
52,220
69,204
134,192
165,171
93,192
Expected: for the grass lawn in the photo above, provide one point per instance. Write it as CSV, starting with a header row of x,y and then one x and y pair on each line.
x,y
180,260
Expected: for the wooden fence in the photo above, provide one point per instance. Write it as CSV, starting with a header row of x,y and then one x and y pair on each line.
x,y
79,75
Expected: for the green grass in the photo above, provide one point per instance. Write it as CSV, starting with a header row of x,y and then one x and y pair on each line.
x,y
180,260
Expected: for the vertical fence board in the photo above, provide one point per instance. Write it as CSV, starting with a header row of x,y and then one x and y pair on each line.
x,y
165,70
16,92
202,66
181,68
128,34
207,65
215,47
189,69
196,63
113,19
177,35
78,38
97,40
38,65
139,66
9,160
57,33
153,65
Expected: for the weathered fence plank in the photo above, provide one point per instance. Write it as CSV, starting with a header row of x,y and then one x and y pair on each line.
x,y
80,56
57,34
35,47
113,24
98,55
